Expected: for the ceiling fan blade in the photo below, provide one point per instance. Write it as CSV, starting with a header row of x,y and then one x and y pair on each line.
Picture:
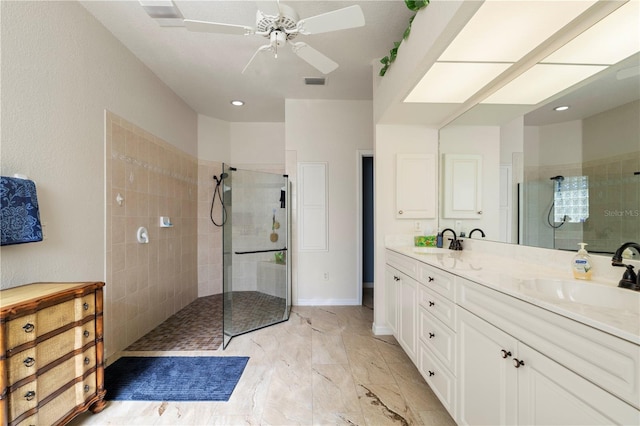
x,y
269,7
260,49
214,27
313,57
341,19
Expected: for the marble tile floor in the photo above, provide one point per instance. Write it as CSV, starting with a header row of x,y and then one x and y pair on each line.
x,y
322,367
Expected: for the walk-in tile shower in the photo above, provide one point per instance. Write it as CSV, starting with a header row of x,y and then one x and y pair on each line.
x,y
256,269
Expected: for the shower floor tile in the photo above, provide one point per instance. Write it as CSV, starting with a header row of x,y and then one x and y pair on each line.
x,y
198,326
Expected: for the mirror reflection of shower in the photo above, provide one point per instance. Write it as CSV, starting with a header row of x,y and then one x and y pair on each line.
x,y
557,182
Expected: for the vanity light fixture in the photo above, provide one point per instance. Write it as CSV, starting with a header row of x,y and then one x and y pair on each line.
x,y
561,108
237,102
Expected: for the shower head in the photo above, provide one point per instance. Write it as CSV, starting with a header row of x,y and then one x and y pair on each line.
x,y
558,178
222,176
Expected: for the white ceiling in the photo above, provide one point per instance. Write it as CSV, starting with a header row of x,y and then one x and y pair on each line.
x,y
205,69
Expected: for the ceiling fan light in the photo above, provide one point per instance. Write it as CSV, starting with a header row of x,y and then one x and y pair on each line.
x,y
237,102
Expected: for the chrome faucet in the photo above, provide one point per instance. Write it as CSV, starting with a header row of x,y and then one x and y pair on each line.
x,y
476,229
455,244
629,279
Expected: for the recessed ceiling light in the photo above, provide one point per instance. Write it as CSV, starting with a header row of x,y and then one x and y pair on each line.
x,y
237,102
561,108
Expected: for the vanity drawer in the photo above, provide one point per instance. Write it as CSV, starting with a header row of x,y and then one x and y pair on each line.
x,y
441,381
437,280
403,263
437,337
438,306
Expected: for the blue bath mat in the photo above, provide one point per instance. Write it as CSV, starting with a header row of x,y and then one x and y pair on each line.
x,y
173,378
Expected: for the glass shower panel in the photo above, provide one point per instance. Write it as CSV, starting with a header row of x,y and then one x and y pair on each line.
x,y
256,274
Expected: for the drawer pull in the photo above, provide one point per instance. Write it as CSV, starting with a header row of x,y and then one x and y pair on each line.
x,y
86,360
400,212
86,333
505,354
28,327
396,278
28,361
431,335
517,363
431,373
85,306
29,395
431,303
86,388
431,279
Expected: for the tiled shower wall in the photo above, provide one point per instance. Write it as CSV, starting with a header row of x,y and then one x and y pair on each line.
x,y
147,283
614,204
209,235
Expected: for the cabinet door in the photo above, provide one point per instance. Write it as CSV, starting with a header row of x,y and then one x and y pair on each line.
x,y
550,394
407,314
462,186
487,382
415,186
391,280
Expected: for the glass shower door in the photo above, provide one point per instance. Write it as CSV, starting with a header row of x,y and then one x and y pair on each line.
x,y
256,273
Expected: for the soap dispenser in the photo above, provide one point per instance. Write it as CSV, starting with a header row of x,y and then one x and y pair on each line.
x,y
581,264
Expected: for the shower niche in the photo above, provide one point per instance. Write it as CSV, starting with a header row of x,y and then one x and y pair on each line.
x,y
256,269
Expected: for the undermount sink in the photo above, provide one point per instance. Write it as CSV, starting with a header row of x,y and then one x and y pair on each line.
x,y
584,292
430,250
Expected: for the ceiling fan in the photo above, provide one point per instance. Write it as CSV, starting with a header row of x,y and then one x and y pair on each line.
x,y
282,25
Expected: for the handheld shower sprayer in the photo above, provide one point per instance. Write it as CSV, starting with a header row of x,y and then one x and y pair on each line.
x,y
218,193
558,182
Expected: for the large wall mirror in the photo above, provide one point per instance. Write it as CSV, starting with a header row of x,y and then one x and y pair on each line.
x,y
552,178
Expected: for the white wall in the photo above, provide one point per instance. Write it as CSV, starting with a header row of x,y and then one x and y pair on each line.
x,y
389,141
257,144
331,131
612,132
214,138
60,70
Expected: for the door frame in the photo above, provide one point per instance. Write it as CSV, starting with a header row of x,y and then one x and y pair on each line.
x,y
360,154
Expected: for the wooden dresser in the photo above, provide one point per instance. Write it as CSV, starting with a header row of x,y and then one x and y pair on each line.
x,y
51,352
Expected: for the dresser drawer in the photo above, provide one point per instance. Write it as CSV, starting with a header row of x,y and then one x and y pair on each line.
x,y
66,372
86,389
21,330
22,364
58,407
55,316
23,399
439,306
437,337
85,306
437,280
441,381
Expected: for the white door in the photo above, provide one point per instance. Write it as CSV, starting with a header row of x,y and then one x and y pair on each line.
x,y
550,394
487,379
407,314
391,281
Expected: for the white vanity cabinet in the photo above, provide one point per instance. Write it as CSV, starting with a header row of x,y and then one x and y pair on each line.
x,y
391,285
437,333
502,379
402,272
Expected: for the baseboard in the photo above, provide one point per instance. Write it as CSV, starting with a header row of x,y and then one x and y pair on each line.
x,y
381,330
327,302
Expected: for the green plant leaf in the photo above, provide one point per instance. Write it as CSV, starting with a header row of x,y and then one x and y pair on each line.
x,y
385,60
393,53
383,70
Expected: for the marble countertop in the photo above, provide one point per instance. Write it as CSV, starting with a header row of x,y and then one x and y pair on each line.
x,y
599,304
